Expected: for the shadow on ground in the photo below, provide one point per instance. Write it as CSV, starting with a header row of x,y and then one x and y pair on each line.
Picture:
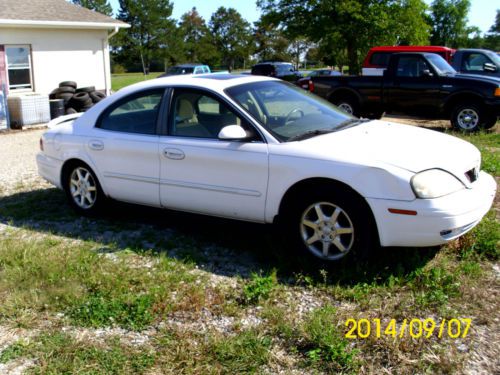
x,y
224,247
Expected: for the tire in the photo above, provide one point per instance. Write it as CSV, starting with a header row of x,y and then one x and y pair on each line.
x,y
83,190
340,209
490,122
469,117
347,104
375,115
80,100
70,111
88,89
66,89
97,96
86,108
68,83
66,96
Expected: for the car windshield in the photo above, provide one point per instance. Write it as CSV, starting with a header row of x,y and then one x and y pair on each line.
x,y
180,70
494,57
288,112
440,64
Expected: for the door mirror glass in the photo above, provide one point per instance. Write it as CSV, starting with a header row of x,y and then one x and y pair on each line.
x,y
233,133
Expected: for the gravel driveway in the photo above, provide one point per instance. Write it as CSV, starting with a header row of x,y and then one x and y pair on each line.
x,y
18,166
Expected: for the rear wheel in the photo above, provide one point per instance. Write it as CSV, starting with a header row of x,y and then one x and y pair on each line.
x,y
347,104
83,190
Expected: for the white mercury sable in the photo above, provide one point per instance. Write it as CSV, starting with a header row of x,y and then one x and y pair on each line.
x,y
259,149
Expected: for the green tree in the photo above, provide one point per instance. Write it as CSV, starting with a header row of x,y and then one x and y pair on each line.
x,y
197,44
231,35
101,6
150,31
349,27
270,43
449,22
492,39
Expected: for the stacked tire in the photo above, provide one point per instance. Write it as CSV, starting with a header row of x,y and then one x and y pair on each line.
x,y
76,99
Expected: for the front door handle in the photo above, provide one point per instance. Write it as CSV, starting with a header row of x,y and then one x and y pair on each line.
x,y
174,153
97,145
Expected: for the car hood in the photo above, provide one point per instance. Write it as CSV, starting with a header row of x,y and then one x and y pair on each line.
x,y
408,147
479,77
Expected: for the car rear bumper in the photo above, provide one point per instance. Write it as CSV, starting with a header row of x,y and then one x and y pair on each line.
x,y
49,168
436,221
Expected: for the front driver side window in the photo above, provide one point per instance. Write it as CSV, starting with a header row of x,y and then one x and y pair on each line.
x,y
200,115
135,114
411,66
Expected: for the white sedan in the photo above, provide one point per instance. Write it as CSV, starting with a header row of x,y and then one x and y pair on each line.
x,y
259,149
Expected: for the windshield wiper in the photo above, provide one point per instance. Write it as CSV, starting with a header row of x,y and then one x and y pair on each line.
x,y
350,122
309,134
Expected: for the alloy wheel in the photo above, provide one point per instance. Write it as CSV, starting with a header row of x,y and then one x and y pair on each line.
x,y
327,230
83,188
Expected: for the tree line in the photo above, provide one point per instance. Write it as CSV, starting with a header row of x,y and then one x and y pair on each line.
x,y
327,32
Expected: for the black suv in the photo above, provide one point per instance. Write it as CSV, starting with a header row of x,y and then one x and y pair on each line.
x,y
282,70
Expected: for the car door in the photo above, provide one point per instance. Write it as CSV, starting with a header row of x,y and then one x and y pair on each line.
x,y
124,147
201,173
412,91
474,63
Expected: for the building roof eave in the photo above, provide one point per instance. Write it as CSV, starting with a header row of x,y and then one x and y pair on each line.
x,y
62,24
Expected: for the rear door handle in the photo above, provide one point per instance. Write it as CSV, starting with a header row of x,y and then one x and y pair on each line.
x,y
174,153
97,145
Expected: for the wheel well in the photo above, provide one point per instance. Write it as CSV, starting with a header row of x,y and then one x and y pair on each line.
x,y
460,98
343,94
302,187
68,165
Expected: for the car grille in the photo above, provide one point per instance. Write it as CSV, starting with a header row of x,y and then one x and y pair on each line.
x,y
472,174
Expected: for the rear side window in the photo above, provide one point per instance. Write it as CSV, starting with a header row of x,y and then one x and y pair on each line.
x,y
380,59
137,113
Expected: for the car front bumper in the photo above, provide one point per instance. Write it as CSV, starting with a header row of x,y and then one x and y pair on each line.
x,y
436,221
49,168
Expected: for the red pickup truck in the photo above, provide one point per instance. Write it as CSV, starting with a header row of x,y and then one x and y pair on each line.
x,y
377,59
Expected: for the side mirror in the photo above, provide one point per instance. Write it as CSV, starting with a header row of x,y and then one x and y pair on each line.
x,y
489,67
233,133
427,73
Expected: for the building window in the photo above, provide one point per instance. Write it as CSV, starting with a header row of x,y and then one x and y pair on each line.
x,y
18,60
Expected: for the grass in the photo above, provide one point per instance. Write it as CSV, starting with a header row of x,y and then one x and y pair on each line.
x,y
119,81
136,292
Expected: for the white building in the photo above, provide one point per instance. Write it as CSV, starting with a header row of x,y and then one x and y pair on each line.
x,y
44,42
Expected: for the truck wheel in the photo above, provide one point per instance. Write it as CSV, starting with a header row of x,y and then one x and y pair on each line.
x,y
468,117
490,122
348,105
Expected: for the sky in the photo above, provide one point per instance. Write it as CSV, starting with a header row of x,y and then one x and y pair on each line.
x,y
482,12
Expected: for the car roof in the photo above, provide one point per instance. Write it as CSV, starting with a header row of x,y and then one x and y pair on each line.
x,y
187,65
273,63
214,81
410,49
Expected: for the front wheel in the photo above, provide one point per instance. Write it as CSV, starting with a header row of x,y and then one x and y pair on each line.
x,y
331,224
83,190
469,117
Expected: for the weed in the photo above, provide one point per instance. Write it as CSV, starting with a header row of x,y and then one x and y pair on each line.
x,y
59,353
325,346
259,287
487,237
14,351
243,353
127,311
434,286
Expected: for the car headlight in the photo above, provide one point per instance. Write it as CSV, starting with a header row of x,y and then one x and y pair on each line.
x,y
434,183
